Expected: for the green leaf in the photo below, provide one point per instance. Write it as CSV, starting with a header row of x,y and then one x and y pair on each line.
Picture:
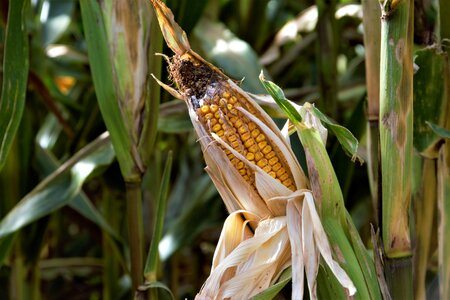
x,y
102,72
347,140
327,285
81,203
85,207
153,256
15,75
278,95
272,291
441,132
60,187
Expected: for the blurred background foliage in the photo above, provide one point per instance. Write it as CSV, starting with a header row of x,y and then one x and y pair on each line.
x,y
63,233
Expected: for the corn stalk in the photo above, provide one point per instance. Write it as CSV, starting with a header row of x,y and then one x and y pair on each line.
x,y
326,54
396,125
443,164
372,34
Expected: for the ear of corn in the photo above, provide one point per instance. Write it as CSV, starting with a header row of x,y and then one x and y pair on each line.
x,y
272,214
216,102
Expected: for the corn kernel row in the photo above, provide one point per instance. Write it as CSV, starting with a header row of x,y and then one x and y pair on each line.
x,y
220,115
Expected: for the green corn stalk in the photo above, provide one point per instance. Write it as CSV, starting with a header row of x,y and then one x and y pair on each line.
x,y
396,125
443,165
326,53
443,170
372,28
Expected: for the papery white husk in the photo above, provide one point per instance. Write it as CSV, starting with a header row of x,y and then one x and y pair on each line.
x,y
257,261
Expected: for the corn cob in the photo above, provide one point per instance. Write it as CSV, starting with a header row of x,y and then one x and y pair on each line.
x,y
216,104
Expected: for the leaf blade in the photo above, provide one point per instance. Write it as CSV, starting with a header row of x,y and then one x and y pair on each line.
x,y
59,188
15,67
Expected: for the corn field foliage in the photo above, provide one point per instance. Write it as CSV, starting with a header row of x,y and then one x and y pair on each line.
x,y
103,187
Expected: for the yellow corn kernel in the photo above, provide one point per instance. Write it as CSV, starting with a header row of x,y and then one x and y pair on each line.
x,y
262,144
287,182
284,177
258,155
226,95
267,169
242,129
250,156
280,173
276,167
253,148
262,163
216,127
232,138
204,109
266,149
273,160
214,109
271,154
260,138
255,133
245,136
249,143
